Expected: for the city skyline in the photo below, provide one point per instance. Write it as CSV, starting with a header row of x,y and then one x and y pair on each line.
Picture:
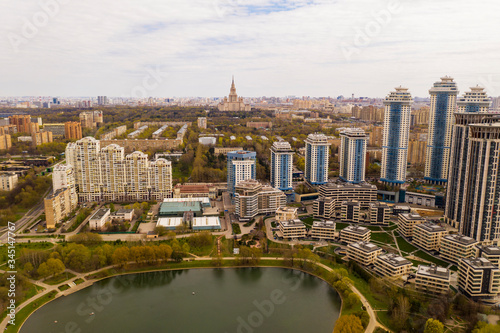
x,y
274,48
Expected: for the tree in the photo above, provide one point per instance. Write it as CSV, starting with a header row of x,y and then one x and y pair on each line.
x,y
433,326
121,256
55,266
351,300
43,270
483,327
348,324
28,268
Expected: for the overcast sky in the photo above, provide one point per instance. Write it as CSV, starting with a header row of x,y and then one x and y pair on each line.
x,y
273,47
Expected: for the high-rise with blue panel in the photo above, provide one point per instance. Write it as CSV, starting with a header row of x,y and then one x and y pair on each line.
x,y
472,108
281,165
396,131
352,155
240,166
441,120
317,158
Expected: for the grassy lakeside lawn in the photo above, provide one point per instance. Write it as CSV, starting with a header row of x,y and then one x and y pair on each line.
x,y
58,279
23,314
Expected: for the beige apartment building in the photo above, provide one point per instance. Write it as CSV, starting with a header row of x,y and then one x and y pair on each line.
x,y
364,253
392,265
432,279
324,207
73,130
455,247
407,222
363,193
252,198
293,229
350,211
58,205
225,150
490,252
478,278
428,236
380,213
354,233
286,213
323,230
39,138
8,181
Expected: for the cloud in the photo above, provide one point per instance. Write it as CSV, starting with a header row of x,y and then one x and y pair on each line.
x,y
274,47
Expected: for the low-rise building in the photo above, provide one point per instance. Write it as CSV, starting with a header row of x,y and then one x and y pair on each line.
x,y
57,206
490,252
350,211
392,265
323,230
380,213
123,214
324,207
225,150
478,278
401,209
365,253
432,279
286,214
195,191
293,229
354,233
8,181
406,223
454,247
99,219
364,193
428,236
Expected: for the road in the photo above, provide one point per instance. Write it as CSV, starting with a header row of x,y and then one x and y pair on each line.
x,y
24,221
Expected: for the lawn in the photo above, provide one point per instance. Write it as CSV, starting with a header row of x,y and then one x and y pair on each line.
x,y
382,237
63,287
78,281
404,245
28,309
373,227
58,279
340,225
430,258
236,229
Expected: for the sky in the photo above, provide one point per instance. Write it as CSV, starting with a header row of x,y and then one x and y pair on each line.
x,y
182,48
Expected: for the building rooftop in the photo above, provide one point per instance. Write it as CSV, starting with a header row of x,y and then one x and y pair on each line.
x,y
356,230
457,238
169,222
347,186
292,224
434,271
365,246
203,200
378,205
99,214
287,209
431,227
206,222
478,263
351,203
489,249
172,208
124,211
412,216
394,259
324,224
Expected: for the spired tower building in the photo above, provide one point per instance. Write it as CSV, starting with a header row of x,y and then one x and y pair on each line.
x,y
443,106
396,131
233,102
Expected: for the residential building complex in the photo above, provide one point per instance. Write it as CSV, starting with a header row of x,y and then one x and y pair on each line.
x,y
441,119
352,234
492,253
407,222
202,122
8,181
252,198
352,155
428,236
396,133
39,138
281,165
478,278
286,213
240,166
364,253
317,157
472,108
58,205
432,279
380,213
323,230
391,265
350,211
73,130
456,246
23,124
91,119
293,229
108,174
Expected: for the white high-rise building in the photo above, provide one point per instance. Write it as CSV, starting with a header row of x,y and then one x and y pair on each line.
x,y
317,158
241,165
352,155
441,120
63,177
281,165
108,174
396,134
